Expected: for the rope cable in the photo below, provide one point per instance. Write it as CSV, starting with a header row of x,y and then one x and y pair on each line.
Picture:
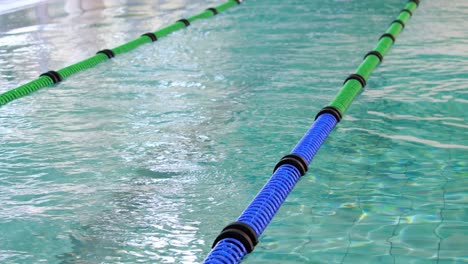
x,y
290,168
54,77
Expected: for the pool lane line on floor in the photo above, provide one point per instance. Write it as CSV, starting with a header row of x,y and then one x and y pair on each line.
x,y
52,77
239,238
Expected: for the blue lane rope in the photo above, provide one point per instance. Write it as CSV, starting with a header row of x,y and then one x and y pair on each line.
x,y
264,206
313,139
227,251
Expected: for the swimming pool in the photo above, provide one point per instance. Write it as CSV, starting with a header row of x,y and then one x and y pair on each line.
x,y
146,157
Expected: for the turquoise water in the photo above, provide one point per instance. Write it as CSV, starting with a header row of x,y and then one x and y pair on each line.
x,y
146,157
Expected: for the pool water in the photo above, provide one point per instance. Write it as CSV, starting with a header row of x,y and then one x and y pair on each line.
x,y
146,157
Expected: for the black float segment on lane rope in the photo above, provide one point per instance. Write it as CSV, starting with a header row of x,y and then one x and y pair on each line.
x,y
53,75
330,110
389,36
294,160
185,21
109,53
356,77
151,35
213,10
407,11
399,22
242,232
375,53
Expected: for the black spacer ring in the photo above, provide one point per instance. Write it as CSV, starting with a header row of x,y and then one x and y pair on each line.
x,y
185,21
375,53
407,11
356,77
244,228
53,75
330,110
399,22
241,232
109,53
213,10
388,35
415,1
295,160
151,35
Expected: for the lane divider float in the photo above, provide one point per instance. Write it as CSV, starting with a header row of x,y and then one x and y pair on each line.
x,y
53,77
240,237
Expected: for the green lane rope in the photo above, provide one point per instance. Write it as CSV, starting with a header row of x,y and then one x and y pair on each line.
x,y
354,84
52,77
